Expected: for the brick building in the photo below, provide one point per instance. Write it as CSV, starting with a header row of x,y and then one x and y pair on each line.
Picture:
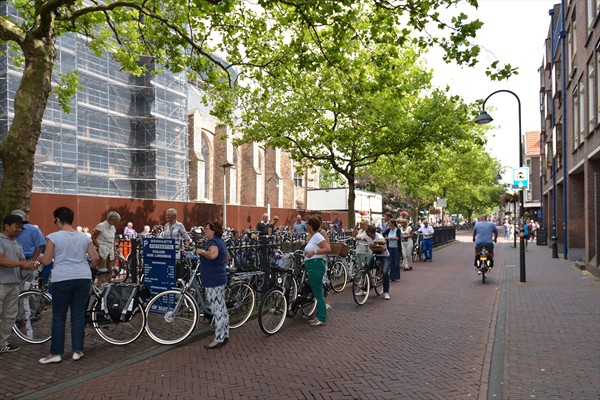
x,y
570,117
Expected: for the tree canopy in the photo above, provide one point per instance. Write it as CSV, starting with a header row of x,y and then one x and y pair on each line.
x,y
213,40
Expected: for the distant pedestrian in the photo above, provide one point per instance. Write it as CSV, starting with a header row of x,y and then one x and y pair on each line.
x,y
129,232
506,230
299,227
71,282
406,234
264,227
336,222
213,262
362,249
428,233
104,240
393,235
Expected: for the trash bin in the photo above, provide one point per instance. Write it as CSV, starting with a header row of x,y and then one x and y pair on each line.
x,y
542,237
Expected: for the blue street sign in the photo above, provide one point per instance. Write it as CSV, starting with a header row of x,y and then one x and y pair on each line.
x,y
521,178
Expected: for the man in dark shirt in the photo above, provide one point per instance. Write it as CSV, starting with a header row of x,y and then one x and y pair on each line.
x,y
264,227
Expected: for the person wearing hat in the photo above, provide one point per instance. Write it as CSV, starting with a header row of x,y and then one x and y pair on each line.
x,y
33,242
12,260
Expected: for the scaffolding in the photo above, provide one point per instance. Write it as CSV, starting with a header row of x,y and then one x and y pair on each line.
x,y
126,136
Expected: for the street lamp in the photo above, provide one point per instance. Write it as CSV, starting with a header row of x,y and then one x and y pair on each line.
x,y
484,118
225,166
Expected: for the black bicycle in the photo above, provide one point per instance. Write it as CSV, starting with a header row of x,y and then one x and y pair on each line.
x,y
290,293
34,318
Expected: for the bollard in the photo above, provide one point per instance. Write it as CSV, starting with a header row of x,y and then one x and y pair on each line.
x,y
554,247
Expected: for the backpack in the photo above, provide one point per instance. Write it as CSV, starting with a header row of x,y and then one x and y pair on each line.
x,y
120,301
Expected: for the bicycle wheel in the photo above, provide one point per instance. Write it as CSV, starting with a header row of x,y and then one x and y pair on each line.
x,y
120,272
414,253
378,271
338,276
309,304
360,287
272,311
171,317
34,317
239,298
118,333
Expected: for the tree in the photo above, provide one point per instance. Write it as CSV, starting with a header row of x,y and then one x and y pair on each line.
x,y
187,35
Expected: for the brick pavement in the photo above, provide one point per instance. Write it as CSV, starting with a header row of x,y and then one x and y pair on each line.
x,y
432,340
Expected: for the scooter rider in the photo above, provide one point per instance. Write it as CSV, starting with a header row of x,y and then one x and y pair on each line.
x,y
485,234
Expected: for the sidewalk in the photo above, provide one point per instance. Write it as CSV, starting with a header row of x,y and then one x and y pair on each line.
x,y
442,335
552,344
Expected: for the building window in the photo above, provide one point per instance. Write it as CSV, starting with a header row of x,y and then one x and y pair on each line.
x,y
575,117
206,156
592,92
581,109
298,179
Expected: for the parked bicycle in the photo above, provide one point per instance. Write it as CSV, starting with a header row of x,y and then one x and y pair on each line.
x,y
34,318
172,315
417,251
367,278
291,293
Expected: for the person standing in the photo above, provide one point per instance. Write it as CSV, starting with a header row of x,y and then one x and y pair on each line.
x,y
406,235
337,223
362,249
174,229
129,232
264,227
385,221
316,247
71,282
427,232
393,236
213,260
104,240
33,242
12,261
274,226
506,230
299,227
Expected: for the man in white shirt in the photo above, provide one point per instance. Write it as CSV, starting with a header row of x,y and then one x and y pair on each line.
x,y
427,232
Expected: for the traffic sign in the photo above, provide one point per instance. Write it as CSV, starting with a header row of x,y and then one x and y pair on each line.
x,y
521,178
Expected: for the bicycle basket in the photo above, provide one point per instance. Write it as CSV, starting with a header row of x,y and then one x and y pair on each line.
x,y
338,249
119,301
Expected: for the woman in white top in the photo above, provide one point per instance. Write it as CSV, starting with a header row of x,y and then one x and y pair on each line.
x,y
316,247
407,244
71,282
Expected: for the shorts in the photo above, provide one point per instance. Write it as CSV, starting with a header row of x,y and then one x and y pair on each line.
x,y
488,246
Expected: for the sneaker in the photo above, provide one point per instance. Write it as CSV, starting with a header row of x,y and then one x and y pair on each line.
x,y
328,306
55,359
386,296
478,271
77,355
9,348
317,323
360,293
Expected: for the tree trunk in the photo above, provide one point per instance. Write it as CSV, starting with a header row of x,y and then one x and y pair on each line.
x,y
17,150
351,202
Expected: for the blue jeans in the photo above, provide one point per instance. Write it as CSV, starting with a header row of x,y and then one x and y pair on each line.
x,y
385,261
394,260
69,294
428,248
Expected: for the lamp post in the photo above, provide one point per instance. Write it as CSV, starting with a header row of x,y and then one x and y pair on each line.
x,y
225,166
484,118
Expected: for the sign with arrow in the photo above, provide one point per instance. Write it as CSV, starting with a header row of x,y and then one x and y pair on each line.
x,y
521,178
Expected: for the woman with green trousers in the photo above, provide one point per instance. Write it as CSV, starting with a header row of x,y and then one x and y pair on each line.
x,y
314,264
